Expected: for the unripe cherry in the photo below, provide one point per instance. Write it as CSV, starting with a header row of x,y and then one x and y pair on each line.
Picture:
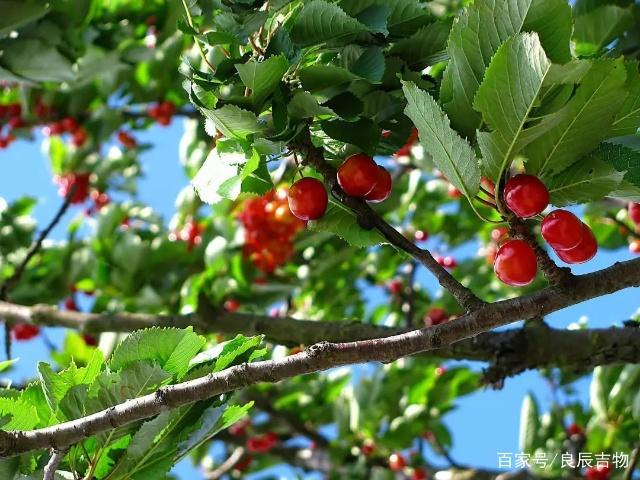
x,y
382,189
358,175
584,251
562,230
516,263
526,195
308,199
634,212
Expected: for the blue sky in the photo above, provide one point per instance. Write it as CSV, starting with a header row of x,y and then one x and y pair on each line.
x,y
484,423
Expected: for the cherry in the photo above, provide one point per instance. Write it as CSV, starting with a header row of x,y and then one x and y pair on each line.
x,y
232,305
526,195
397,462
368,447
395,286
516,263
70,305
90,340
16,122
126,139
488,185
262,443
79,137
440,371
76,182
55,128
446,262
562,230
435,316
14,109
382,189
421,236
24,331
358,175
600,472
69,124
634,212
499,233
295,350
308,199
239,428
634,247
243,464
419,474
574,429
100,199
453,192
584,251
405,150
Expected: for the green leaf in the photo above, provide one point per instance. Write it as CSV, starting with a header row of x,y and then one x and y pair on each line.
x,y
18,13
6,365
23,415
235,349
320,22
569,73
475,37
370,65
304,105
425,47
585,120
529,425
319,77
36,60
624,158
262,77
172,348
506,98
218,177
375,18
552,20
362,133
453,155
588,180
627,119
342,223
406,16
597,28
599,392
234,122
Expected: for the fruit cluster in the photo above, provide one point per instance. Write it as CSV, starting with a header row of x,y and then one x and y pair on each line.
x,y
572,240
190,233
162,112
262,443
270,228
11,114
71,126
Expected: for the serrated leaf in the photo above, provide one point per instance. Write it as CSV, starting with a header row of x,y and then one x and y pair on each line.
x,y
375,18
320,22
627,119
624,158
453,155
171,348
318,77
214,179
342,223
304,105
600,26
552,20
405,17
262,78
18,13
425,46
588,180
506,98
235,122
529,425
585,120
567,74
21,414
370,65
363,133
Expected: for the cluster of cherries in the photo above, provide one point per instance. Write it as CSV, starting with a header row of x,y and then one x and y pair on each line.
x,y
359,176
11,115
162,112
396,461
269,230
68,125
634,215
601,471
78,185
190,233
572,240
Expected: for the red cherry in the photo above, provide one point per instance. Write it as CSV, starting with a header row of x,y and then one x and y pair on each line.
x,y
70,304
584,251
358,175
79,137
419,474
634,247
4,142
421,236
15,109
447,262
69,124
453,192
562,230
56,128
405,150
526,195
574,429
76,182
16,122
126,139
599,472
499,233
308,199
516,263
395,286
4,111
24,331
435,316
440,371
368,447
634,212
167,108
239,428
396,462
488,185
90,340
382,189
232,305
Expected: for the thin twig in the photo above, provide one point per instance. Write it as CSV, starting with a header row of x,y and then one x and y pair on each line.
x,y
53,464
225,466
633,462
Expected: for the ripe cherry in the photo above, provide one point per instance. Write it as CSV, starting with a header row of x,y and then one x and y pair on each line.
x,y
24,331
358,175
239,428
600,472
308,199
574,429
15,109
435,316
499,233
79,137
395,286
262,443
634,212
382,190
634,246
453,192
447,262
70,304
232,305
440,371
78,183
126,139
516,263
69,124
397,462
419,474
368,447
526,195
584,251
90,340
488,185
421,236
562,230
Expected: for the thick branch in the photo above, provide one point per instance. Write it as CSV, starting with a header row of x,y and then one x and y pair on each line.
x,y
325,355
367,218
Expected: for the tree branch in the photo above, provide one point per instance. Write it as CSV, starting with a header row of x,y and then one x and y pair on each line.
x,y
53,464
323,356
367,218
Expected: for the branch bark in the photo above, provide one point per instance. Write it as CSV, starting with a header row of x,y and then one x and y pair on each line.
x,y
323,356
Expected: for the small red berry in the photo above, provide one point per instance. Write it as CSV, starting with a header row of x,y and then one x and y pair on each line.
x,y
421,236
126,139
634,246
562,230
435,316
79,137
70,305
488,185
574,429
397,462
440,371
453,192
167,108
516,263
4,142
16,122
232,305
446,262
358,175
239,428
584,251
308,199
382,190
395,286
634,212
419,474
69,124
76,182
405,150
24,331
368,447
526,195
15,109
90,340
56,128
243,464
4,111
499,233
599,472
